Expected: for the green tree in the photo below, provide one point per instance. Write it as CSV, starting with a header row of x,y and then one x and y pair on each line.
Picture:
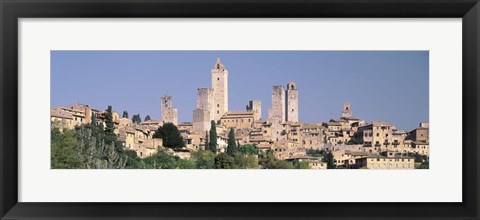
x,y
63,150
231,147
206,140
249,149
171,136
125,114
213,137
93,120
223,161
251,162
136,119
147,118
203,159
161,160
301,165
315,153
133,161
185,164
96,153
281,164
330,161
267,160
109,126
424,165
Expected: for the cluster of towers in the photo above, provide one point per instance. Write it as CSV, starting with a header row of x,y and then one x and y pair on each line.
x,y
212,103
284,104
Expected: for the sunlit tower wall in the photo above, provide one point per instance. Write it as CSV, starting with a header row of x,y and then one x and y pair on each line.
x,y
204,111
276,113
291,110
347,110
256,107
169,113
220,90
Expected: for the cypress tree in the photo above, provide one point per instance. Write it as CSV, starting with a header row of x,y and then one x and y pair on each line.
x,y
109,126
94,120
206,140
231,147
213,137
125,114
147,118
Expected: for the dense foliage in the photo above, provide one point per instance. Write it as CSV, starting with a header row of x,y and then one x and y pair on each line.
x,y
213,137
136,119
232,146
125,114
171,136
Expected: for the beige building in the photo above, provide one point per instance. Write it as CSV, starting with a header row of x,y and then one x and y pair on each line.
x,y
238,119
390,161
61,119
377,136
255,106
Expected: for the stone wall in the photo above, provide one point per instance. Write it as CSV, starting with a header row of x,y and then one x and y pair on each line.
x,y
169,113
291,111
276,113
256,107
201,121
220,90
205,101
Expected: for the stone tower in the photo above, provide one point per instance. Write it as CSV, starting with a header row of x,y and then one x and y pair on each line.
x,y
205,101
276,113
256,107
291,110
347,111
220,90
169,113
204,111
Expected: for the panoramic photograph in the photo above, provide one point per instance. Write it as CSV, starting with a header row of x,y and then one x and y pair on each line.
x,y
239,110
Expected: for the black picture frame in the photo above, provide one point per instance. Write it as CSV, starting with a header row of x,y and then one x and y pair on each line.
x,y
12,10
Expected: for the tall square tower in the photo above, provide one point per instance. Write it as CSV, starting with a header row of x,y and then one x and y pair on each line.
x,y
220,90
277,113
291,110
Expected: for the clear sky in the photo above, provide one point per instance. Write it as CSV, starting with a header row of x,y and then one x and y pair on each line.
x,y
380,85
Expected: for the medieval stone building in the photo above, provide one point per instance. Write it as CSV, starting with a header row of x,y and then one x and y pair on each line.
x,y
169,113
220,90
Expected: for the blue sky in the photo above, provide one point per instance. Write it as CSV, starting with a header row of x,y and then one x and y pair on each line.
x,y
380,85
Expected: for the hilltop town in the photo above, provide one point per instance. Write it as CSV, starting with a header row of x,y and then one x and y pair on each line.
x,y
344,142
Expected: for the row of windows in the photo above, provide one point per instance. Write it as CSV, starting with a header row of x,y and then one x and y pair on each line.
x,y
236,120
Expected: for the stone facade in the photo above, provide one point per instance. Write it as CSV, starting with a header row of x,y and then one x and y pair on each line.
x,y
291,111
240,119
347,110
205,101
201,121
169,113
220,90
256,107
276,113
